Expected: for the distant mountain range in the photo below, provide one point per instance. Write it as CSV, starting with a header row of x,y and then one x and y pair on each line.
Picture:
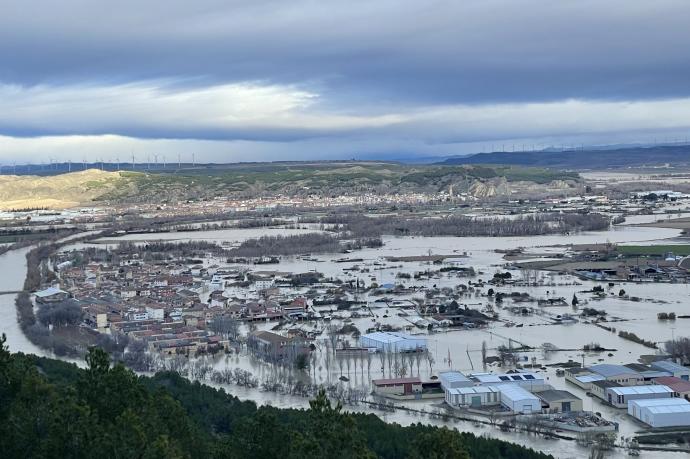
x,y
589,159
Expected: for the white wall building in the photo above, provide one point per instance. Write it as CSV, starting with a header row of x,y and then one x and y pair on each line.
x,y
155,313
263,284
473,397
454,380
392,341
519,400
620,396
661,412
525,379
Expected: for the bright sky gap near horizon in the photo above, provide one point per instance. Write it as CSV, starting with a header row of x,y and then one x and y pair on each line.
x,y
269,80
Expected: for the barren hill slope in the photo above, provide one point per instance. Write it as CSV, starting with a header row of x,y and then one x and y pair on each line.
x,y
56,192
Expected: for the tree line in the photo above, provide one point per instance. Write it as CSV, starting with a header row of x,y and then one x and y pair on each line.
x,y
359,225
50,408
299,244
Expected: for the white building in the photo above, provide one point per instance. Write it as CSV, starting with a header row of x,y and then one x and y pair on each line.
x,y
661,412
264,284
155,312
137,315
525,379
473,397
454,380
620,396
128,293
392,341
519,400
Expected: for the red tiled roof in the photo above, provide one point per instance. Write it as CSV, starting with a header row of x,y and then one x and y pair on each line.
x,y
380,382
677,384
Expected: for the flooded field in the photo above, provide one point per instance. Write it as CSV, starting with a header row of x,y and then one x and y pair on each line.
x,y
456,349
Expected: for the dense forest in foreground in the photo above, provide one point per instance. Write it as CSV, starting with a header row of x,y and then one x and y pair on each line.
x,y
50,408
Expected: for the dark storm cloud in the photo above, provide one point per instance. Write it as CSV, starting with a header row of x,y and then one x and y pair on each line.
x,y
424,52
348,75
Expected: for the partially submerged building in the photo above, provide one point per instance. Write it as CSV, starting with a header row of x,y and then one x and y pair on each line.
x,y
661,412
518,400
473,396
559,401
525,379
454,380
398,386
620,396
392,342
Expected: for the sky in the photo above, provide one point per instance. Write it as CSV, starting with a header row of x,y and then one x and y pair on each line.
x,y
265,80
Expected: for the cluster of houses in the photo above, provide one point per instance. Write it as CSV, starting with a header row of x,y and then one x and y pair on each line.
x,y
170,305
657,394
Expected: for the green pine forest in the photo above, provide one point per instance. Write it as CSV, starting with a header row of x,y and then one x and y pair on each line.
x,y
53,409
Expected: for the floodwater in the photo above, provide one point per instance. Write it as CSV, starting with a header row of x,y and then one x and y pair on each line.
x,y
13,269
459,349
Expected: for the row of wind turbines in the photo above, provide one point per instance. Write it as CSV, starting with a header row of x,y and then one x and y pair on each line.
x,y
100,163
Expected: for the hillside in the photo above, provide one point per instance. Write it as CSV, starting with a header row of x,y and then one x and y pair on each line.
x,y
57,191
50,408
677,156
271,179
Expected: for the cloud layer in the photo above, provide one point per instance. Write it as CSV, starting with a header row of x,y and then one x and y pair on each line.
x,y
286,80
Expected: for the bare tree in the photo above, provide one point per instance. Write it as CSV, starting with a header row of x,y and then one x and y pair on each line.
x,y
327,360
430,360
410,361
382,357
